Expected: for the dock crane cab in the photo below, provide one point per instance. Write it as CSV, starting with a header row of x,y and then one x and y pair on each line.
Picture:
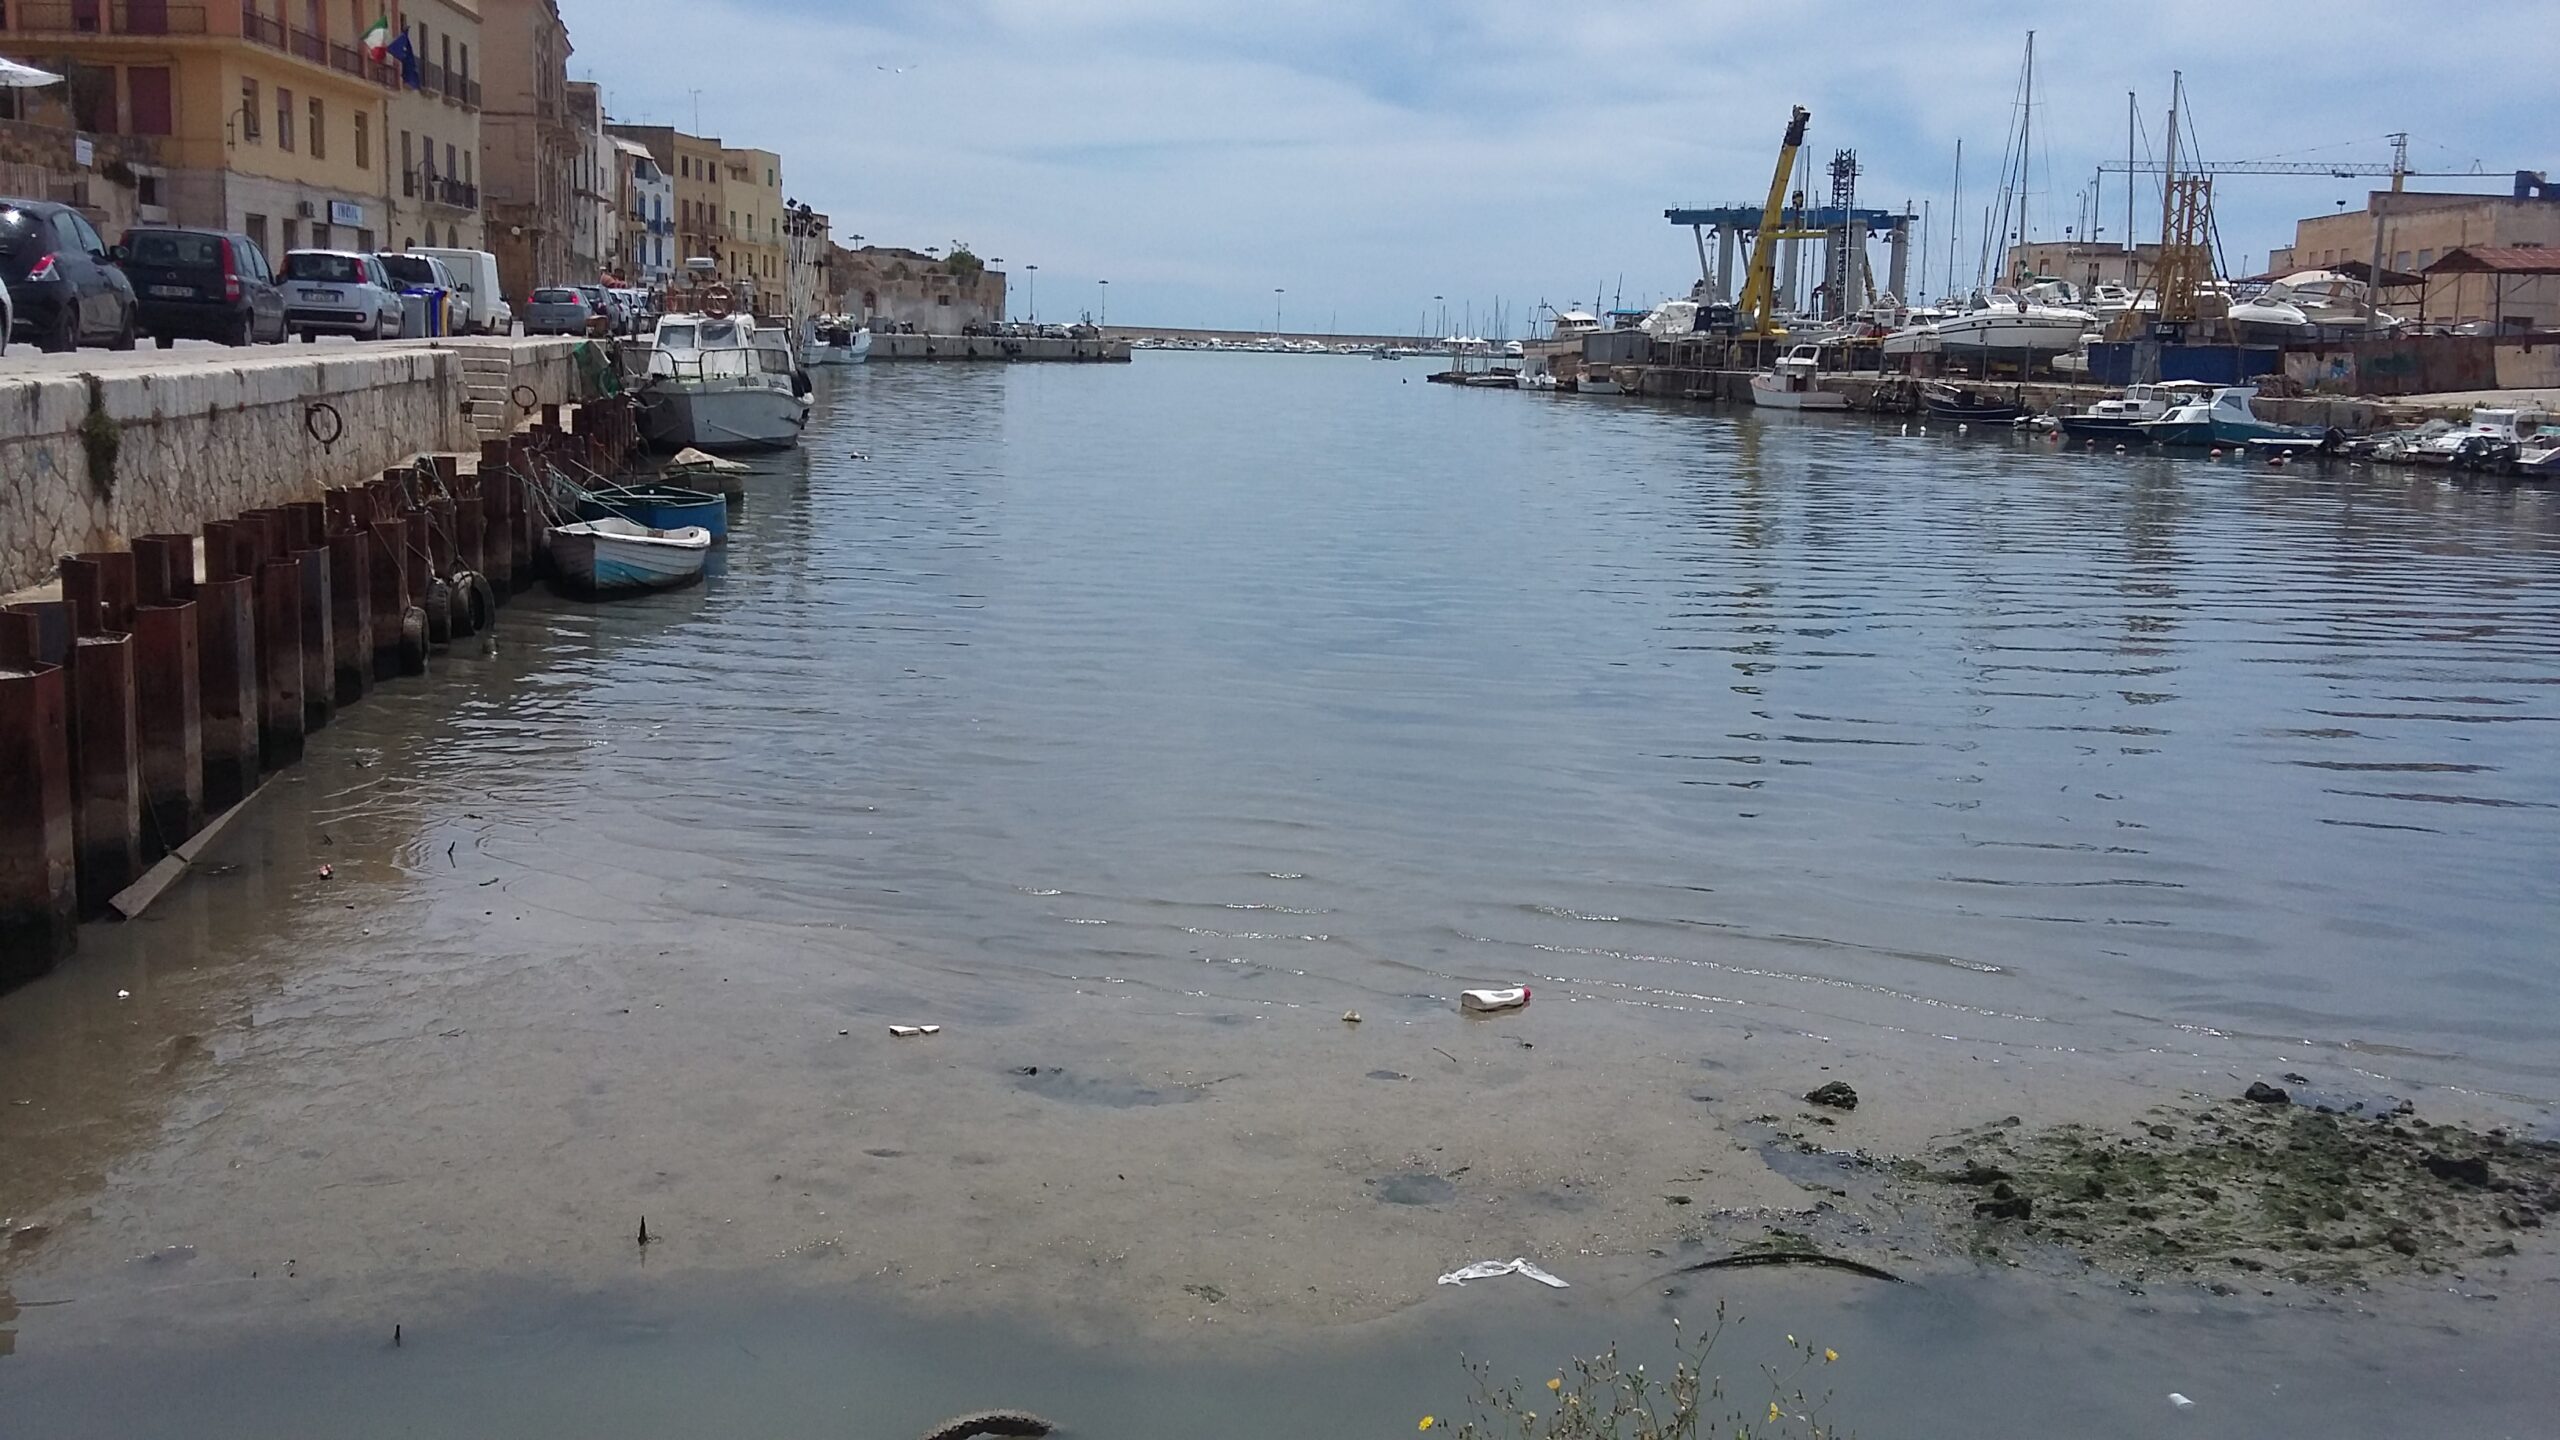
x,y
1758,306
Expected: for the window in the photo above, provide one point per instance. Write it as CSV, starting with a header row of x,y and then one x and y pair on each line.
x,y
408,166
769,182
466,167
320,236
148,88
466,60
364,140
428,162
449,167
249,113
448,54
364,240
2400,260
292,240
319,133
284,124
2425,257
256,226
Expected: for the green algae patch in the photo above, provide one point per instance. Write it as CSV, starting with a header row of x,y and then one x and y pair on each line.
x,y
2243,1188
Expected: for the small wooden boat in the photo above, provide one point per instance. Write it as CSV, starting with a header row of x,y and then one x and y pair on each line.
x,y
603,557
661,507
1965,406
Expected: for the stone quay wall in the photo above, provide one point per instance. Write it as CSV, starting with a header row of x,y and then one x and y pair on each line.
x,y
89,461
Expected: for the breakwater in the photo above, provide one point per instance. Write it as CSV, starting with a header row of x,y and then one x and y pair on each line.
x,y
998,347
149,700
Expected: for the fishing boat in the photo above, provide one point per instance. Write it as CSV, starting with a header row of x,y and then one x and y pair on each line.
x,y
1795,383
2221,417
1964,405
835,340
660,507
611,555
2119,419
714,382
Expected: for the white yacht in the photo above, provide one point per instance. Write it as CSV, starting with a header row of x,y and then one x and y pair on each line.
x,y
2004,319
2306,306
715,382
1795,383
2492,429
835,340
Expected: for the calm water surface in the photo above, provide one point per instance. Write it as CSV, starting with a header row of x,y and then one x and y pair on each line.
x,y
1293,681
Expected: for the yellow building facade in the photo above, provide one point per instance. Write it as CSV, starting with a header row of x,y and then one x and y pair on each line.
x,y
433,132
751,240
262,116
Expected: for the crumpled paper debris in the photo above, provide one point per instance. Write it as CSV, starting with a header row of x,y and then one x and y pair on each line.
x,y
1489,1269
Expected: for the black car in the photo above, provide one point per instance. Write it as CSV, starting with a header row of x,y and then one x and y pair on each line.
x,y
203,285
68,292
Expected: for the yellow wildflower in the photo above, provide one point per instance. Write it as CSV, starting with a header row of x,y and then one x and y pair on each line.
x,y
1427,1423
1830,1355
1556,1384
1773,1412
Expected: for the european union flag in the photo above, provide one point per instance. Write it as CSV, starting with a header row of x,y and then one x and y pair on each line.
x,y
401,50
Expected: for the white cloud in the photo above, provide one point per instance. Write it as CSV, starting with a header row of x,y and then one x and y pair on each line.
x,y
1367,157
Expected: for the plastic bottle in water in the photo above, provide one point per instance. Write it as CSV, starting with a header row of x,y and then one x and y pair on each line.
x,y
1511,999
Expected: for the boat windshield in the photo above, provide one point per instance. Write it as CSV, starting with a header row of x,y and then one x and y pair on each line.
x,y
677,337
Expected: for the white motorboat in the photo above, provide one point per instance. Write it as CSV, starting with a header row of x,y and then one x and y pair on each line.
x,y
716,382
613,554
1795,383
2493,431
2008,320
1918,334
835,340
2303,308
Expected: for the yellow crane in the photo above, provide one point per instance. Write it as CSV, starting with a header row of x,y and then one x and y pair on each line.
x,y
1757,309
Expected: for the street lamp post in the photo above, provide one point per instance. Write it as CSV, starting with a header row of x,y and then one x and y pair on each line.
x,y
1106,304
1443,303
1034,270
1276,293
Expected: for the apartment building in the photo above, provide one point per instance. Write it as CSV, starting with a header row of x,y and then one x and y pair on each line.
x,y
591,228
691,164
433,131
262,116
644,215
529,151
751,253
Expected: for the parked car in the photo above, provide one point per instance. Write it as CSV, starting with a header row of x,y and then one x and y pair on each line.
x,y
484,310
340,292
426,272
560,310
203,285
617,317
68,292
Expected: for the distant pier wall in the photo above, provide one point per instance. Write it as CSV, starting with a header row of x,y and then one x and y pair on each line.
x,y
996,347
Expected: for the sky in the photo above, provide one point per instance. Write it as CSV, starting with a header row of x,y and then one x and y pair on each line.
x,y
1363,158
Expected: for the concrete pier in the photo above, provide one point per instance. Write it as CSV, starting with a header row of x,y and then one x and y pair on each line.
x,y
1002,348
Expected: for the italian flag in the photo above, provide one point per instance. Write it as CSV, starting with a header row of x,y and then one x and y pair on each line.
x,y
377,41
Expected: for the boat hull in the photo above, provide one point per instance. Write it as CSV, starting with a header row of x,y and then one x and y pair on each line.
x,y
1771,394
752,417
597,562
856,353
2103,427
2005,331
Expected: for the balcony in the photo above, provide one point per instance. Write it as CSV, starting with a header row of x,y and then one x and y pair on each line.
x,y
96,17
453,193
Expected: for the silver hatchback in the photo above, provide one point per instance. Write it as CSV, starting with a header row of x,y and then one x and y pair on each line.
x,y
559,310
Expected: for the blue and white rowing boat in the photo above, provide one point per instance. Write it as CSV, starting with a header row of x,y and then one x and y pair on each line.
x,y
603,557
661,507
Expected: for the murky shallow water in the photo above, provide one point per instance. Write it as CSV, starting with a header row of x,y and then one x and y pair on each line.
x,y
1135,724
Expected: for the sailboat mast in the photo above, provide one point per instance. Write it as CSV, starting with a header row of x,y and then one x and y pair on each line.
x,y
1955,221
2026,142
2129,186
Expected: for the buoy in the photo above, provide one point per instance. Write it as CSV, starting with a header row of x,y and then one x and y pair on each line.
x,y
2215,452
2119,449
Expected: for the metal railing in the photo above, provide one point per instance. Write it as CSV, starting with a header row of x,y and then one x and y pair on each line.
x,y
453,192
260,29
310,47
97,17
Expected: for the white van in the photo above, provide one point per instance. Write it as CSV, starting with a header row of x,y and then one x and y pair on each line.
x,y
481,307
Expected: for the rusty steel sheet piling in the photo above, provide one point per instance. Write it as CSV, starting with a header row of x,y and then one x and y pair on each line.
x,y
413,586
351,599
307,541
106,768
227,671
441,563
280,711
167,680
384,540
39,870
